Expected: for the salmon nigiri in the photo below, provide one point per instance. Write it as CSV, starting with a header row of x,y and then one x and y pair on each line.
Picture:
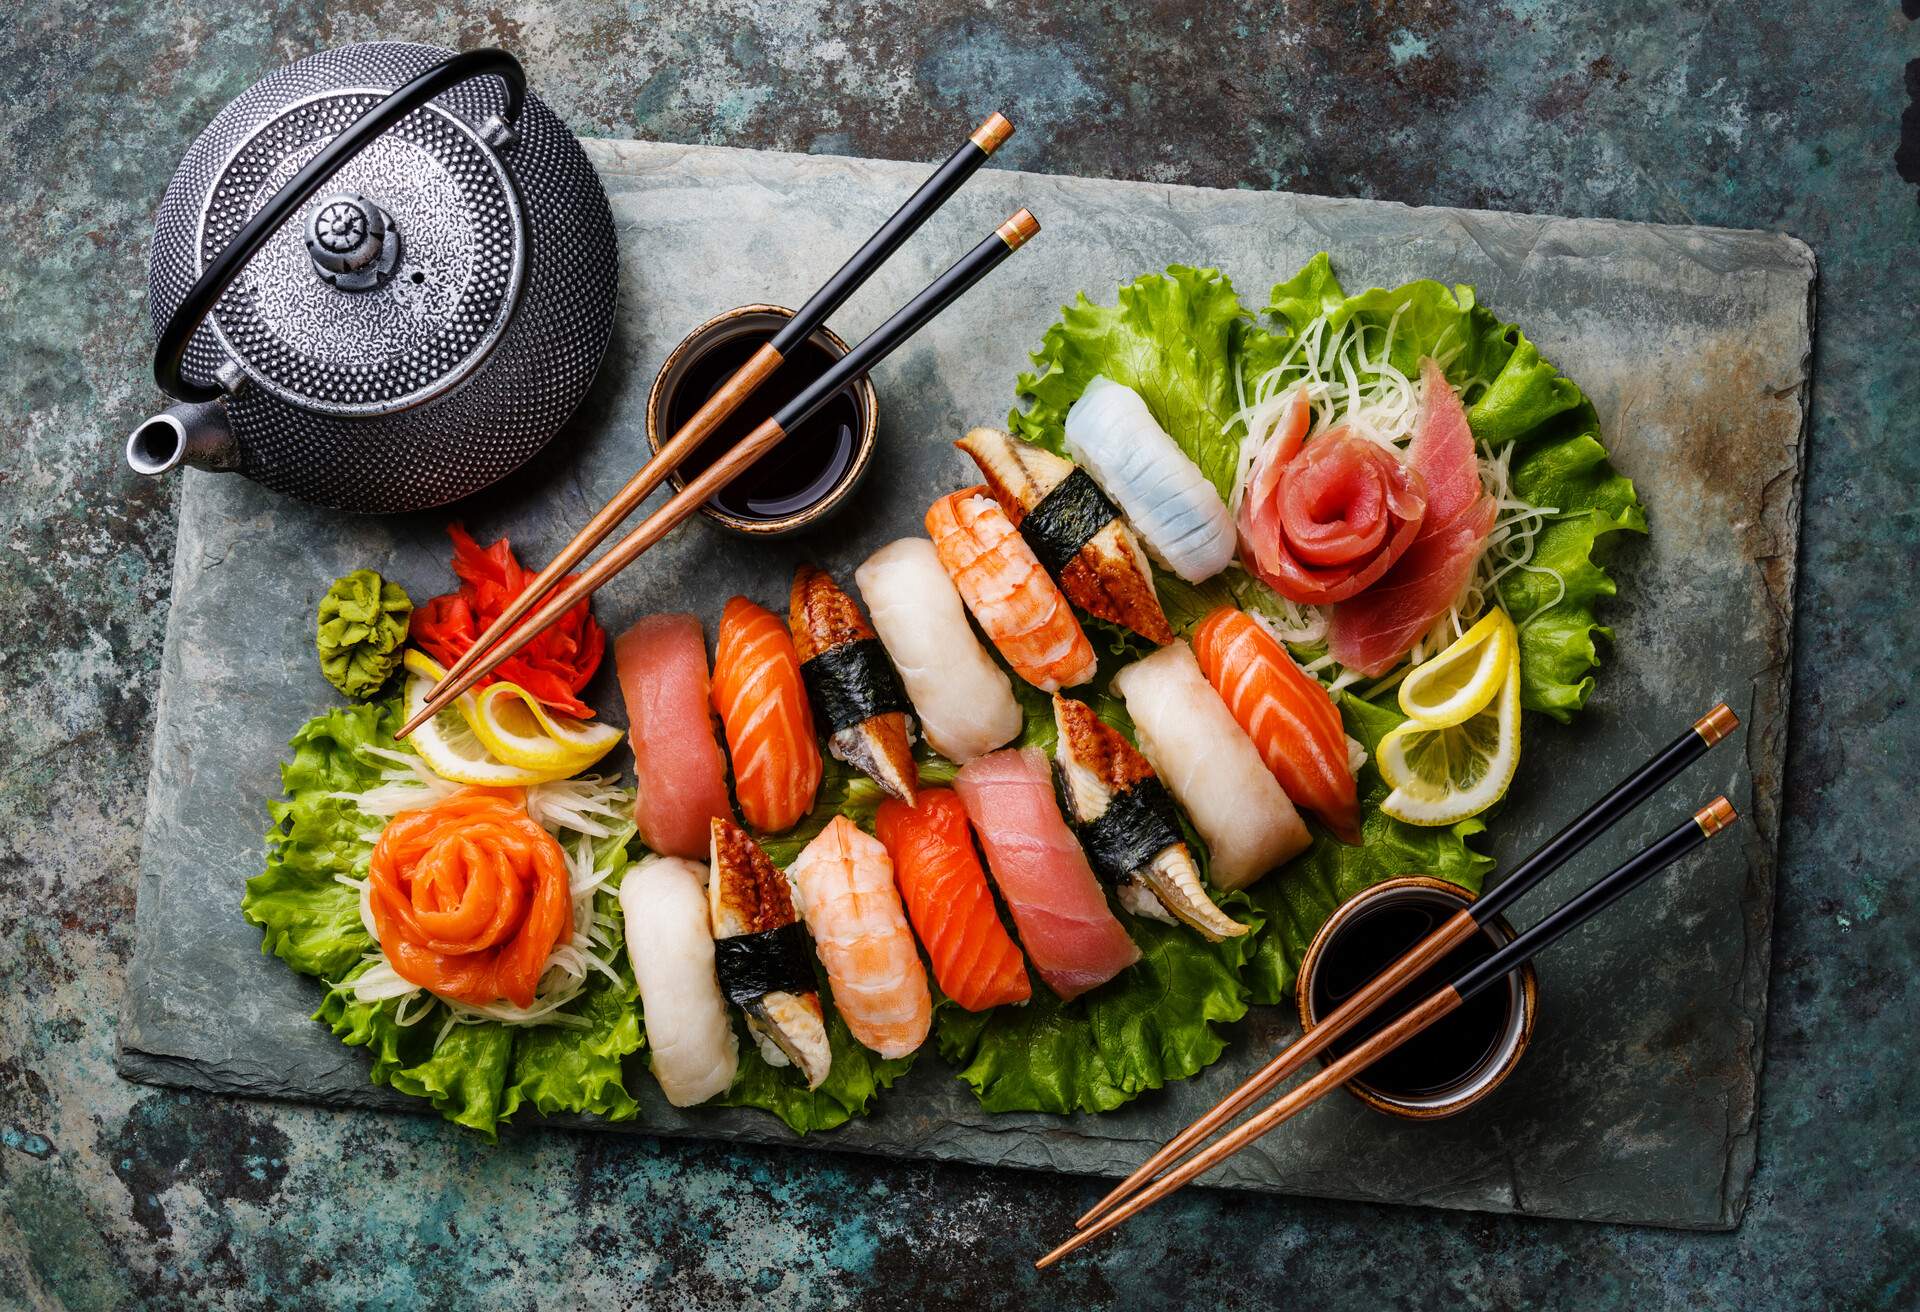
x,y
1069,932
845,883
763,706
856,696
975,961
1003,583
1286,713
680,773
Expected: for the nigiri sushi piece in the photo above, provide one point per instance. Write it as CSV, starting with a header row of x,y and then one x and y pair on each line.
x,y
1286,713
690,1042
1070,934
1076,533
763,706
1170,503
762,957
975,960
1021,609
1211,767
845,883
964,701
1127,824
680,773
851,685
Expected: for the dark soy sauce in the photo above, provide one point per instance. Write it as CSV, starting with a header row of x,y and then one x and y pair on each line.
x,y
794,475
1446,1052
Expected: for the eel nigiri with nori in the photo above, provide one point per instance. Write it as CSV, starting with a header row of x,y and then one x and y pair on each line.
x,y
857,698
761,955
1073,528
1126,822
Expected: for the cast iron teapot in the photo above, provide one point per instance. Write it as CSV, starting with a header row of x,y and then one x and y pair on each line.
x,y
381,279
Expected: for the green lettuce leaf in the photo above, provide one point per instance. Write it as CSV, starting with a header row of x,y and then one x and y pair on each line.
x,y
855,1080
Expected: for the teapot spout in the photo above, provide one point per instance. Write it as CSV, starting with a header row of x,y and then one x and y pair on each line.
x,y
185,434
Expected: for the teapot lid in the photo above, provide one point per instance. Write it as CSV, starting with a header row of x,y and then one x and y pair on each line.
x,y
397,280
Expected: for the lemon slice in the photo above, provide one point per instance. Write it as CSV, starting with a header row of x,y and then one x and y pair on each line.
x,y
448,745
1459,683
520,731
1442,775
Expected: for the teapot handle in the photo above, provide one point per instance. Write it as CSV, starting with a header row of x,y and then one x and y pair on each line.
x,y
171,349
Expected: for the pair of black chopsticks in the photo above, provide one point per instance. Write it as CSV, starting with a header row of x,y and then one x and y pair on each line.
x,y
1142,1189
502,638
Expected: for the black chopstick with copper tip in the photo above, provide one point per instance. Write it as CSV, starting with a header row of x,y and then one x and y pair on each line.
x,y
1577,911
1629,793
908,320
931,195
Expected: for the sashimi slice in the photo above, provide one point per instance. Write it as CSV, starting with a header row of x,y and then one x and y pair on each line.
x,y
680,773
1333,521
975,960
1065,924
1286,713
1442,448
763,705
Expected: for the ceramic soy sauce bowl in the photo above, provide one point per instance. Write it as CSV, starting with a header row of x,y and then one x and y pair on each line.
x,y
849,423
1508,1017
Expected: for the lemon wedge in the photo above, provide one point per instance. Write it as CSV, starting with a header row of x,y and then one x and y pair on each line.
x,y
448,744
1441,775
516,728
1459,683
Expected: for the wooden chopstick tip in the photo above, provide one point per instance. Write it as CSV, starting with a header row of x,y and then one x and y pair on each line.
x,y
1716,724
1019,230
1715,816
992,134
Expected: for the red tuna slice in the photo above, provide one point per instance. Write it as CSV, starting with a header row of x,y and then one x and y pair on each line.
x,y
1442,448
1334,520
677,764
1373,631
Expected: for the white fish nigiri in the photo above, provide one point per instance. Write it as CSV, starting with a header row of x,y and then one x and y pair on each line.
x,y
964,701
1177,513
1210,766
690,1041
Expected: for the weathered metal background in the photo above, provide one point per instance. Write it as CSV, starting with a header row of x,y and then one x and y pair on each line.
x,y
1637,1102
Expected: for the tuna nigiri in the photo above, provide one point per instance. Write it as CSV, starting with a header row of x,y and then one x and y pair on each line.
x,y
1070,934
1127,824
1211,767
975,961
762,957
845,883
680,774
1019,607
964,700
856,697
1287,714
763,705
1169,502
690,1042
1076,533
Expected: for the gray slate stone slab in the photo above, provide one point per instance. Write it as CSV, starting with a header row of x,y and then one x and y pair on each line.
x,y
1637,1101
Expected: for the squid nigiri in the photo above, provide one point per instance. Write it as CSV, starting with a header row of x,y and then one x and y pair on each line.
x,y
1020,608
1070,935
1073,529
763,705
761,955
845,882
1210,766
856,697
677,765
1286,713
1169,502
965,701
690,1042
974,960
1127,824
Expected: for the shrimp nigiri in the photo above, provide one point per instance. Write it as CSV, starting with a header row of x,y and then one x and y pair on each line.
x,y
1021,609
763,706
845,882
1286,713
856,696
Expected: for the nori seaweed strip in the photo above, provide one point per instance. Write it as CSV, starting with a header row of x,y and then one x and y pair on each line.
x,y
1137,826
851,683
750,966
1066,520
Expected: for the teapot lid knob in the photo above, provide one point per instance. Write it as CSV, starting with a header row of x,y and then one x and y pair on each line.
x,y
353,242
